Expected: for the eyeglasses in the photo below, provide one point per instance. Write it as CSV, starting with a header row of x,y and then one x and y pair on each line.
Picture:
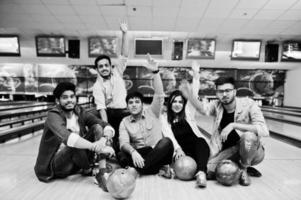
x,y
227,91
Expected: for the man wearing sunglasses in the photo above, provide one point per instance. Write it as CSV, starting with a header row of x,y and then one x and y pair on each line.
x,y
238,126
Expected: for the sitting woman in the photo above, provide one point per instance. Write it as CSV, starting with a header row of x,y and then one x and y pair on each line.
x,y
187,138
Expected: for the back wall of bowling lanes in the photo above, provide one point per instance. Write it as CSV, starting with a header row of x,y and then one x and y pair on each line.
x,y
42,79
41,67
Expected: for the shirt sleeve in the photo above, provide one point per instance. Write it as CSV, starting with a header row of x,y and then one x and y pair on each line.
x,y
109,128
258,120
121,65
158,98
99,96
157,103
57,125
124,138
72,139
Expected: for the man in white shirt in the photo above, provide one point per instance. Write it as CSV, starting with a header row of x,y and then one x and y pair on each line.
x,y
109,90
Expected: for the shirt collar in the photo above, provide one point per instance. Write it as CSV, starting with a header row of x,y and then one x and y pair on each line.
x,y
132,119
239,106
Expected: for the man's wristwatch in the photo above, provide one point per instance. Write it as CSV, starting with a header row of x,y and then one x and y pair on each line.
x,y
156,71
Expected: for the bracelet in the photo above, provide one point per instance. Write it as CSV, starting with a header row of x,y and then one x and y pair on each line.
x,y
156,71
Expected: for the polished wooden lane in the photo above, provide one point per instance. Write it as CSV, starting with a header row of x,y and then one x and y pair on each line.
x,y
283,118
14,106
281,179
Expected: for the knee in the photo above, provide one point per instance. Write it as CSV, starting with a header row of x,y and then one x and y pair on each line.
x,y
80,153
123,159
250,137
166,143
249,142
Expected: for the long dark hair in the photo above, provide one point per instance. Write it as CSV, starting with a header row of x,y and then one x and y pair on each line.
x,y
171,115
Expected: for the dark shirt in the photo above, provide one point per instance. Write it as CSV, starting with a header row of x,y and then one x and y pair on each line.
x,y
233,137
183,133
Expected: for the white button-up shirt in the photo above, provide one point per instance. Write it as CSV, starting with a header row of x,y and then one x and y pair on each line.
x,y
110,93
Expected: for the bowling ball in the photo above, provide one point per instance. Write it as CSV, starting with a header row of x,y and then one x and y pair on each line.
x,y
185,168
121,183
227,172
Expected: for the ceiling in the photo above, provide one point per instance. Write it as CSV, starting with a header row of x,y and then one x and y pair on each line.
x,y
252,19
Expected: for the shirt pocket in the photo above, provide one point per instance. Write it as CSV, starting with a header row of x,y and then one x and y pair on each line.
x,y
135,131
149,125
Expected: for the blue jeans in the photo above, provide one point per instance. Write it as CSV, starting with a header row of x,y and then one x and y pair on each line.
x,y
240,154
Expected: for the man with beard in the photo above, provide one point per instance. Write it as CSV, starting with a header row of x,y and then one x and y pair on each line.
x,y
238,126
70,139
109,90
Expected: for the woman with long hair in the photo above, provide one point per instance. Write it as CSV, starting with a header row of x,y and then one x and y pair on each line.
x,y
187,138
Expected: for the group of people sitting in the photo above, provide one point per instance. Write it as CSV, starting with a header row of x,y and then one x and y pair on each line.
x,y
143,136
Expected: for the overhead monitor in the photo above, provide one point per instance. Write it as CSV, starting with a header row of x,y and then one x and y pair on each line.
x,y
291,51
9,45
152,46
50,45
246,50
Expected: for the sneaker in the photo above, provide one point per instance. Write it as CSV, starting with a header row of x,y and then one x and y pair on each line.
x,y
244,178
201,180
109,168
87,172
166,171
101,181
253,172
211,175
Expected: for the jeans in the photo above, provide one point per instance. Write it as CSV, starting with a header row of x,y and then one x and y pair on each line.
x,y
154,158
114,118
199,151
249,151
69,160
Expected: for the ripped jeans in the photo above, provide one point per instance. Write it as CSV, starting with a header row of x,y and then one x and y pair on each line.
x,y
249,151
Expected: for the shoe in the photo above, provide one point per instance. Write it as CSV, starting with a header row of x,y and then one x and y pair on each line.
x,y
201,180
253,172
211,175
109,168
87,172
244,179
166,171
101,181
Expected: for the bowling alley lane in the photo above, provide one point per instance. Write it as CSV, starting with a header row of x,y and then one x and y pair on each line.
x,y
281,178
284,108
16,105
279,111
289,130
282,117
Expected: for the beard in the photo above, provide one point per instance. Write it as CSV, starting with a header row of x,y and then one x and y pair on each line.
x,y
106,76
227,101
67,109
108,72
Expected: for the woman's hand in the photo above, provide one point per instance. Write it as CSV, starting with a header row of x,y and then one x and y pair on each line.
x,y
179,153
